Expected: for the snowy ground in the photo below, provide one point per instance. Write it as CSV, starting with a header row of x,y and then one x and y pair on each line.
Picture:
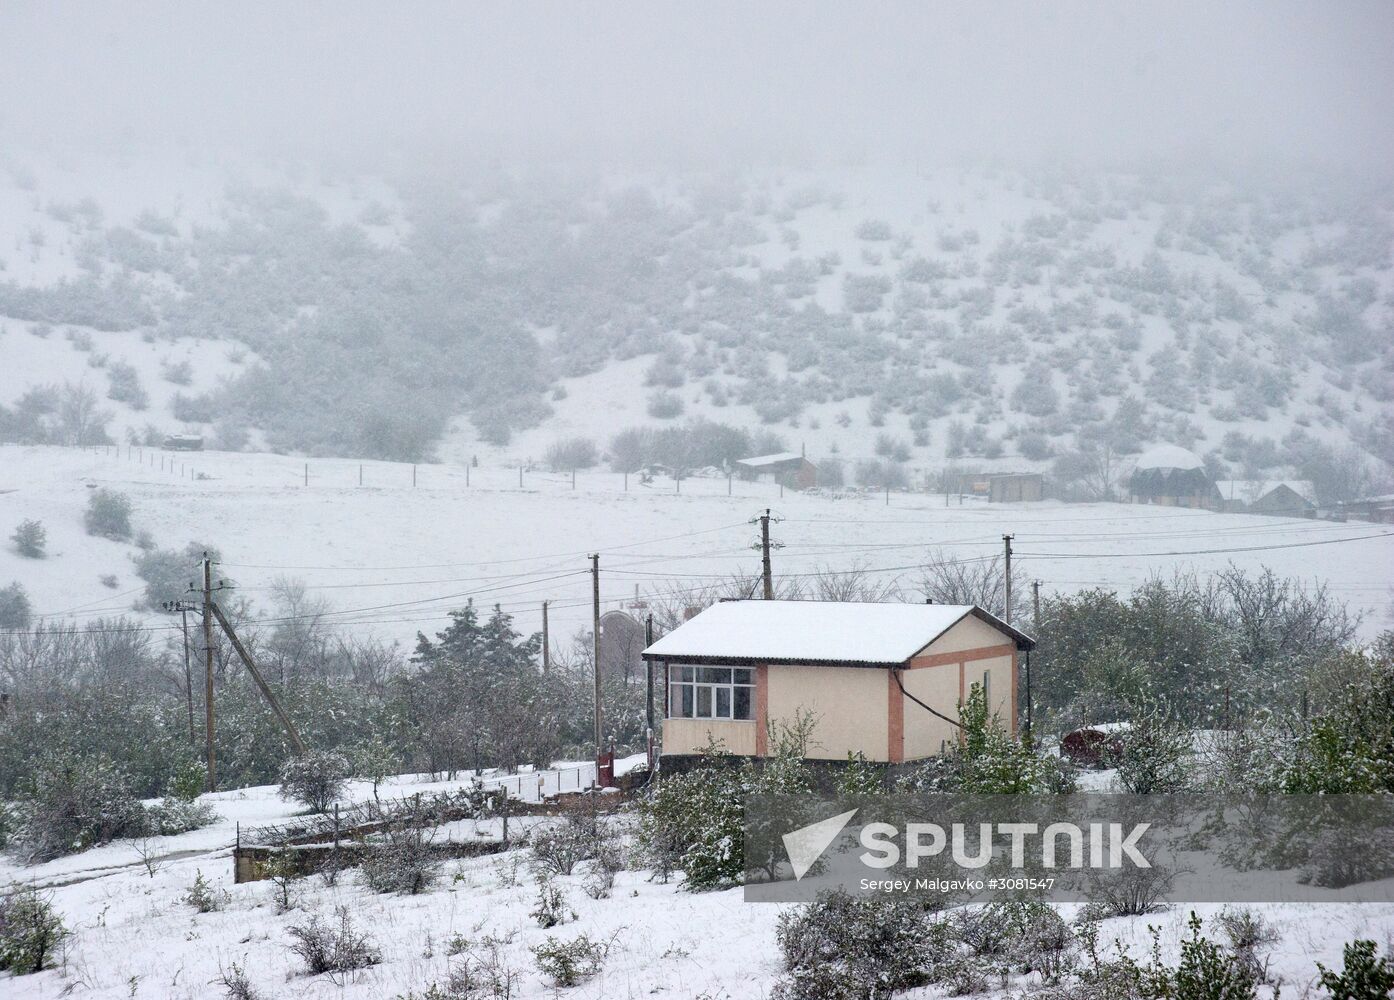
x,y
391,558
134,936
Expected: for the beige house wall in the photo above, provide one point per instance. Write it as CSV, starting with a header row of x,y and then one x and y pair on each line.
x,y
849,703
938,688
687,736
969,633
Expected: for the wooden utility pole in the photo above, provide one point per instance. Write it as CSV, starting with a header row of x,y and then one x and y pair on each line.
x,y
546,642
595,655
765,555
1036,604
188,671
256,676
648,674
208,720
1007,579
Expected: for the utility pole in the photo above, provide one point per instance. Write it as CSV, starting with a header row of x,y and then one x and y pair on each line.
x,y
546,642
1007,579
208,720
1036,604
765,555
595,655
648,674
184,608
256,676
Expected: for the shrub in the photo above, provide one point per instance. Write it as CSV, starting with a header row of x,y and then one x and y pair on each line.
x,y
15,610
841,947
30,539
71,803
125,386
1026,932
569,963
406,864
236,984
282,872
30,931
179,372
203,897
333,948
693,822
665,405
550,909
315,778
1156,751
873,230
108,515
1128,892
168,573
882,475
1364,976
174,815
1206,972
559,848
572,453
1248,932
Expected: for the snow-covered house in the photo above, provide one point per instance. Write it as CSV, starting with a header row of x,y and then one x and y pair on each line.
x,y
794,471
1286,498
882,680
1172,476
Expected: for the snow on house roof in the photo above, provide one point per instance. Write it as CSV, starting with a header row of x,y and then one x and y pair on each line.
x,y
816,632
1169,456
775,459
1250,490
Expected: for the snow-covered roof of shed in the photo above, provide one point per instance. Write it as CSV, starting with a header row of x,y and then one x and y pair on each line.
x,y
1169,456
816,632
775,459
1250,490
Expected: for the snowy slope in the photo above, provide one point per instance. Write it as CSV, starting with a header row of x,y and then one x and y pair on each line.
x,y
392,558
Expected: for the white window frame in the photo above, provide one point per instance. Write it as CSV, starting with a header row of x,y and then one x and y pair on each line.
x,y
710,692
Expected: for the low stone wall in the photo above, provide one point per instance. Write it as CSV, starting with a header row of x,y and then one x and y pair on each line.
x,y
249,863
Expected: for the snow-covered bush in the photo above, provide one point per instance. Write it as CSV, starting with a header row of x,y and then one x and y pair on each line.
x,y
572,453
29,539
1026,933
550,908
559,847
335,948
315,778
125,386
842,947
407,863
15,609
30,931
1155,756
570,963
664,405
203,897
108,515
71,803
1364,974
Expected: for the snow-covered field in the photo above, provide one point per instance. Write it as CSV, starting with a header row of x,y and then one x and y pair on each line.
x,y
392,558
135,936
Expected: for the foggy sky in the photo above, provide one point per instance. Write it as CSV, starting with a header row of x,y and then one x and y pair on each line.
x,y
712,82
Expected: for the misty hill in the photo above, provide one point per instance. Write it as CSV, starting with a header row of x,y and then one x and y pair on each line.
x,y
916,317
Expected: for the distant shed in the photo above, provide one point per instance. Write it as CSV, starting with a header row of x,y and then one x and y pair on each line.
x,y
1287,498
784,467
1015,487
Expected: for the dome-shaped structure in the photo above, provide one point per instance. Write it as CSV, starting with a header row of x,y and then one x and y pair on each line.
x,y
1171,475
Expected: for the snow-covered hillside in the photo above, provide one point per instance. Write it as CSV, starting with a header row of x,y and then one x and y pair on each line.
x,y
391,558
927,316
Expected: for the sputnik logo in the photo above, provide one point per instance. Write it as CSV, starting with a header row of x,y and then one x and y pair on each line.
x,y
807,844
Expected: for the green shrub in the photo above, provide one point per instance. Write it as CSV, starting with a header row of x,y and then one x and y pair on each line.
x,y
71,803
29,539
15,609
315,778
30,931
1365,976
108,515
570,963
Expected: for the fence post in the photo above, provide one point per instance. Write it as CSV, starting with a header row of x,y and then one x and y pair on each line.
x,y
336,826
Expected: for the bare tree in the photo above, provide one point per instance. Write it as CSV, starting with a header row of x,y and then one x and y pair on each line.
x,y
946,580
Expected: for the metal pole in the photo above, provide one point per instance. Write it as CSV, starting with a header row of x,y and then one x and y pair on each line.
x,y
648,673
546,642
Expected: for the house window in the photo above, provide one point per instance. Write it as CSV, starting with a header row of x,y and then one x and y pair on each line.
x,y
711,693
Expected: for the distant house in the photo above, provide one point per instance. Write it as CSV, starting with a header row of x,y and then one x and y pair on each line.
x,y
882,680
1287,498
1173,477
793,471
1015,487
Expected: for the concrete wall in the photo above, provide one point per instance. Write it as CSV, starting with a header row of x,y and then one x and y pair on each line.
x,y
849,703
